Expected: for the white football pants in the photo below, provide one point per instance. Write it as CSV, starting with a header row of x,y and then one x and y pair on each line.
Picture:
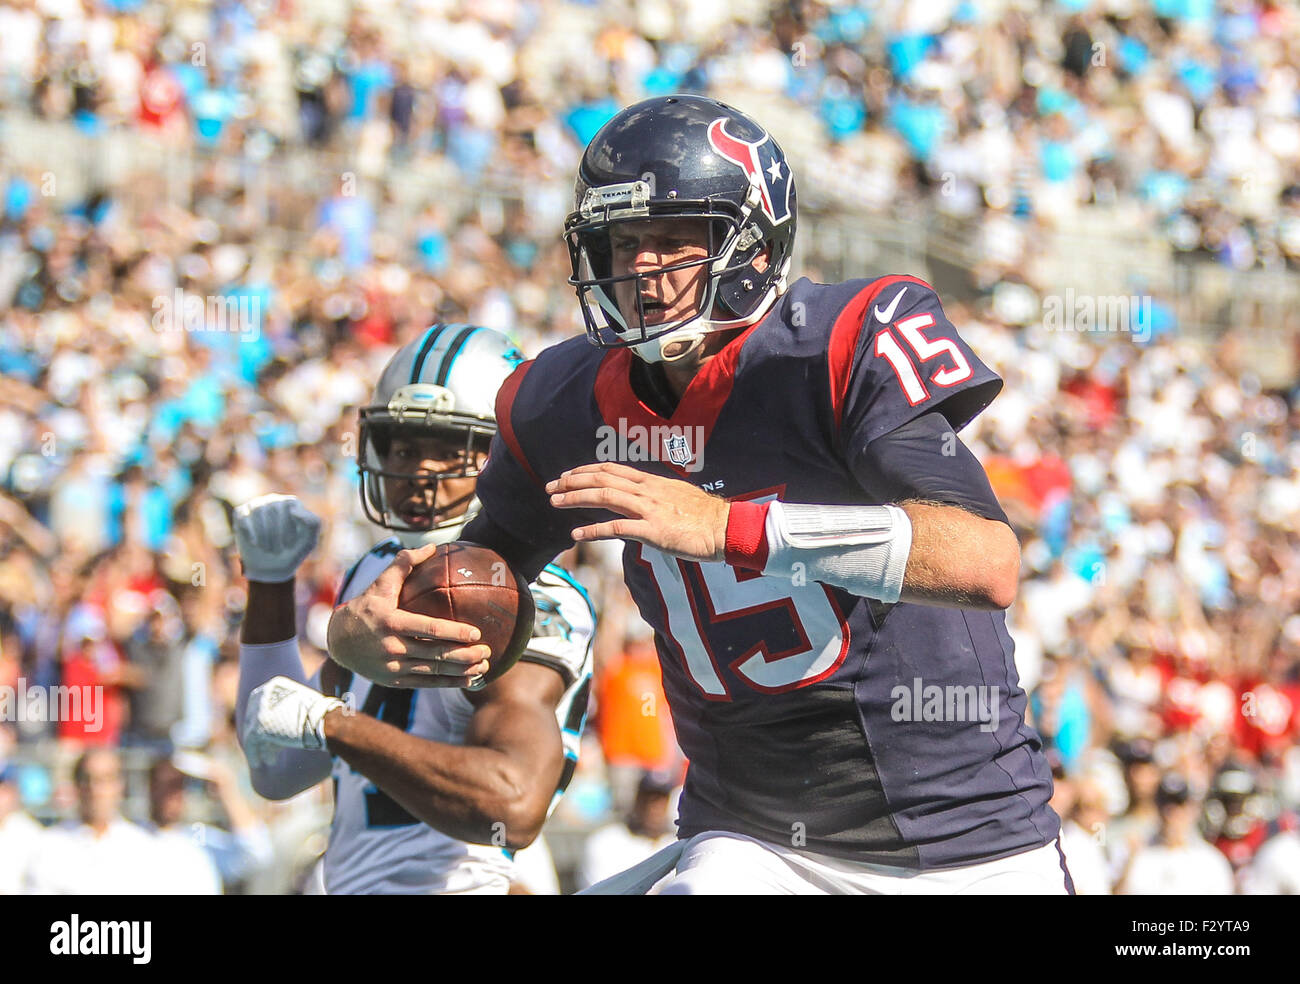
x,y
722,863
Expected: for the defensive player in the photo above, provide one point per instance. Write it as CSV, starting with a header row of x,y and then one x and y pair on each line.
x,y
823,562
434,788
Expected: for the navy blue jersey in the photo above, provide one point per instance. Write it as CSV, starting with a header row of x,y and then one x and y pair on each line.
x,y
812,717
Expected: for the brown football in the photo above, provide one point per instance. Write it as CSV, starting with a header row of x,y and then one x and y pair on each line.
x,y
464,582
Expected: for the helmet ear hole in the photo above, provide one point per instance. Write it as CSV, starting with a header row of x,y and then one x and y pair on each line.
x,y
745,283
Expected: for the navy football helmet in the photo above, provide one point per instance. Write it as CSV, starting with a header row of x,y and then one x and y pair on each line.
x,y
689,158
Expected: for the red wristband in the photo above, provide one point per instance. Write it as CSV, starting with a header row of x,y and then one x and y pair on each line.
x,y
746,538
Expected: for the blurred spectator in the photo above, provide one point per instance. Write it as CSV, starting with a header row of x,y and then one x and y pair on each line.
x,y
19,833
1139,824
184,867
1235,815
1081,805
101,853
239,853
1275,869
1062,709
154,652
1178,861
645,829
94,668
632,716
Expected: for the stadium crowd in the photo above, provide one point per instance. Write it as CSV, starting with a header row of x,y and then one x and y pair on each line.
x,y
1184,110
1154,483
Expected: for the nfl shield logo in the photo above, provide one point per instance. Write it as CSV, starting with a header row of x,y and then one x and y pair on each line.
x,y
678,448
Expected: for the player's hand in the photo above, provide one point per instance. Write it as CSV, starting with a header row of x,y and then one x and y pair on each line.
x,y
667,513
370,635
283,713
274,533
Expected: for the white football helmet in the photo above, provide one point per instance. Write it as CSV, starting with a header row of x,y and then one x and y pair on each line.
x,y
439,390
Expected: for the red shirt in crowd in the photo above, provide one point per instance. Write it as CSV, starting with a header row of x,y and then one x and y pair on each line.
x,y
98,707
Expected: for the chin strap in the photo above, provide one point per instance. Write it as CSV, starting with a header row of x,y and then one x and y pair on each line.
x,y
654,350
694,332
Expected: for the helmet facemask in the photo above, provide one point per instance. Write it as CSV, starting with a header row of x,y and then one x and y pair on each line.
x,y
649,310
411,447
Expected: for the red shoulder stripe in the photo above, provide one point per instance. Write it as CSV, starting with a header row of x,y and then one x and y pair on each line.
x,y
847,331
505,424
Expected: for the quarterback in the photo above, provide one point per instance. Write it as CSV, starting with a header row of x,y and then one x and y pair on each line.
x,y
811,542
434,789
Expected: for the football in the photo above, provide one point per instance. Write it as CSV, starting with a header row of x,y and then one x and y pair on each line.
x,y
468,583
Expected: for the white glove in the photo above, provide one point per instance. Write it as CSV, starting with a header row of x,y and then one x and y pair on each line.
x,y
283,713
274,533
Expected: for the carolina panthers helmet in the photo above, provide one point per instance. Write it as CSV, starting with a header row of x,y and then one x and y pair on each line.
x,y
441,386
682,156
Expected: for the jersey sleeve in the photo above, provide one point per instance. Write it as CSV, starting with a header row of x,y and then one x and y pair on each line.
x,y
512,493
894,356
520,554
368,567
341,596
925,459
564,630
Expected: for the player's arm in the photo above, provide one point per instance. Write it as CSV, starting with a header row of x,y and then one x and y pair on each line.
x,y
914,551
959,560
274,534
494,789
902,383
963,550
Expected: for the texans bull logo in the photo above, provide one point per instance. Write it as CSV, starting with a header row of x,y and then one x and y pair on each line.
x,y
763,166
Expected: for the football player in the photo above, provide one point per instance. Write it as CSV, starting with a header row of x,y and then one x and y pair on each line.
x,y
434,788
823,561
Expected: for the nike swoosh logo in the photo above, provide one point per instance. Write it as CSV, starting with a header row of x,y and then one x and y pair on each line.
x,y
887,315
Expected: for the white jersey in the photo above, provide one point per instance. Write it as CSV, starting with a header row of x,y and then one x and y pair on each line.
x,y
376,846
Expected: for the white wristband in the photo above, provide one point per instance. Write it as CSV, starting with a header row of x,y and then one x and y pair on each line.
x,y
862,549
